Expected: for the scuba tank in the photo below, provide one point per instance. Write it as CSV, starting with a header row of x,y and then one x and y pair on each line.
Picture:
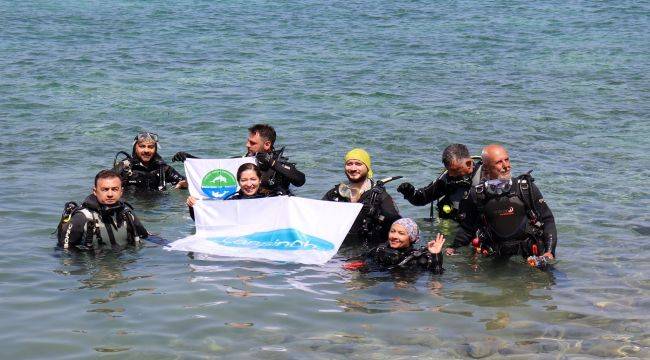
x,y
63,228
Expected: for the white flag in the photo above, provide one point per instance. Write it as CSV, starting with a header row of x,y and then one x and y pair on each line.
x,y
282,228
213,178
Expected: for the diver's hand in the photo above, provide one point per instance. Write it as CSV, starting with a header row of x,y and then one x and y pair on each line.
x,y
435,246
265,160
191,201
548,255
182,156
451,251
181,185
406,189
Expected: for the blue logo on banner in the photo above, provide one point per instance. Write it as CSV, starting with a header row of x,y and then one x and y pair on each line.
x,y
283,239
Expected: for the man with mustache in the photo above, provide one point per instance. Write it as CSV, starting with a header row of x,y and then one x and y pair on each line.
x,y
373,222
145,170
506,216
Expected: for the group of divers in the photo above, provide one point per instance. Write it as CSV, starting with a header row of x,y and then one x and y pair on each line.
x,y
498,215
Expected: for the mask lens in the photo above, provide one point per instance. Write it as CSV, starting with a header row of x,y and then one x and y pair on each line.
x,y
498,187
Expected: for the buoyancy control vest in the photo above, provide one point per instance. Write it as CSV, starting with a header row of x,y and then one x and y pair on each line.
x,y
457,190
406,258
509,218
134,173
112,228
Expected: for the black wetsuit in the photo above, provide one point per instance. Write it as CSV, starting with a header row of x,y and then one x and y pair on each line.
x,y
368,230
93,227
384,257
509,224
152,177
239,195
280,175
447,191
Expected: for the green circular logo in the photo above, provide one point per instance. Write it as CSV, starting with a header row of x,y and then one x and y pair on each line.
x,y
219,184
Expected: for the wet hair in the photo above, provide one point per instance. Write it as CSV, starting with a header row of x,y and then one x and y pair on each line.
x,y
248,166
266,132
454,152
106,174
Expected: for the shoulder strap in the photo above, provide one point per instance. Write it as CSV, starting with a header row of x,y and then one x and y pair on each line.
x,y
92,230
130,220
479,194
524,183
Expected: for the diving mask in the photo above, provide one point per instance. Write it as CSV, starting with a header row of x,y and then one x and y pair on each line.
x,y
347,192
146,136
498,186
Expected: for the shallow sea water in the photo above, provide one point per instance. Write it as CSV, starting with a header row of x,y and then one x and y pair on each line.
x,y
563,85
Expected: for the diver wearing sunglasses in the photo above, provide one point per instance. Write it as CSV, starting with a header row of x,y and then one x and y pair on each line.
x,y
451,188
144,169
506,216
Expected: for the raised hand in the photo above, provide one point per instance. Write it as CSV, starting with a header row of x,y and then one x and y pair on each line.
x,y
435,246
264,160
406,189
182,156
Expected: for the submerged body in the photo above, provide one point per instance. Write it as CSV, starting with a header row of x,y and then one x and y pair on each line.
x,y
103,221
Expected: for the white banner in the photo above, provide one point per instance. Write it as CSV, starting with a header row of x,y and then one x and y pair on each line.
x,y
282,228
213,178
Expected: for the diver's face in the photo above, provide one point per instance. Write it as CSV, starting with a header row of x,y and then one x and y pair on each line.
x,y
356,171
249,182
108,191
145,150
498,165
257,144
458,169
398,237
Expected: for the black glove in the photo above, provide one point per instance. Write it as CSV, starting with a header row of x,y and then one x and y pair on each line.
x,y
182,156
264,160
406,189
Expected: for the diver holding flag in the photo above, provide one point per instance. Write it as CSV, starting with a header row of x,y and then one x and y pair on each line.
x,y
277,172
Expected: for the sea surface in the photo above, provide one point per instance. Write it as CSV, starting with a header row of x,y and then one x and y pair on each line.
x,y
562,84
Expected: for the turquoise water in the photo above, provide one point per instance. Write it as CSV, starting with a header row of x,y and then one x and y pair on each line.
x,y
563,85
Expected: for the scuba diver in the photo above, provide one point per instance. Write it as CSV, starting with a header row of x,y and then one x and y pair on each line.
x,y
144,169
103,221
379,210
507,216
399,253
249,179
277,173
451,188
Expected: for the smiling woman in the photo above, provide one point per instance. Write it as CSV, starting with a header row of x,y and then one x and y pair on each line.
x,y
249,178
399,253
